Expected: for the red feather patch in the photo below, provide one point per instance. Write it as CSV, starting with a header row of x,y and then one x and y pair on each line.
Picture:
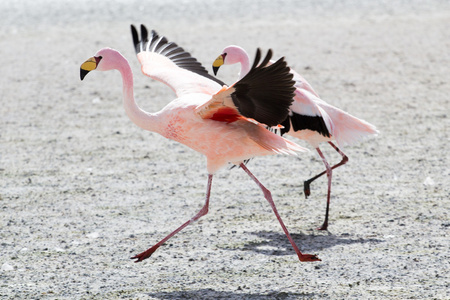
x,y
226,114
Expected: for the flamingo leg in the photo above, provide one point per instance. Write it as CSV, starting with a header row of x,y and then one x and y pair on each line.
x,y
329,175
147,253
307,183
268,196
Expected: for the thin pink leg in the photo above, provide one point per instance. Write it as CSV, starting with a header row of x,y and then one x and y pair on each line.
x,y
268,196
202,212
307,183
329,175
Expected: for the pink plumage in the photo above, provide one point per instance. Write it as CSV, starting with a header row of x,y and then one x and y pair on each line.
x,y
310,119
206,116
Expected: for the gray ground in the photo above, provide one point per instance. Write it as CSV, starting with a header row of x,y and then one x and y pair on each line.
x,y
82,189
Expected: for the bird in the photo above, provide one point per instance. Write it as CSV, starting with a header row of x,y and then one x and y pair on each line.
x,y
310,118
227,124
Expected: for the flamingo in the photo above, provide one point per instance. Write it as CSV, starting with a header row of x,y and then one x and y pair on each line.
x,y
310,119
226,124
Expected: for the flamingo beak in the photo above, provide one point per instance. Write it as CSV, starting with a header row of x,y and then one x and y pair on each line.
x,y
220,60
89,65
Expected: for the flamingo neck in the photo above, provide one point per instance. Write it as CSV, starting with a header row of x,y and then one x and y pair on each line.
x,y
244,59
141,118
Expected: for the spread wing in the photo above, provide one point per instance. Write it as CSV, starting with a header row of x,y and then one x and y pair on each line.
x,y
264,94
167,62
307,113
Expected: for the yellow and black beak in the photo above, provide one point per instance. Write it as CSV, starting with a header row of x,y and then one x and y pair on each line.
x,y
89,65
220,60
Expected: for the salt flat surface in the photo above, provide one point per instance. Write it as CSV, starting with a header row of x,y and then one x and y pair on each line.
x,y
82,189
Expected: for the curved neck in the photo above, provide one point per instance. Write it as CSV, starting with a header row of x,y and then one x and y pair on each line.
x,y
244,59
139,117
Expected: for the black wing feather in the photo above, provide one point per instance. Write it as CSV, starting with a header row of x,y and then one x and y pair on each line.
x,y
266,92
314,123
160,45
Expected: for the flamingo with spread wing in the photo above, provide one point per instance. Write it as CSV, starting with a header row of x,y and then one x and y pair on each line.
x,y
310,118
226,124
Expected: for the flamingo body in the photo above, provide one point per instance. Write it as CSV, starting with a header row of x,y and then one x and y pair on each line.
x,y
310,118
205,116
232,142
315,121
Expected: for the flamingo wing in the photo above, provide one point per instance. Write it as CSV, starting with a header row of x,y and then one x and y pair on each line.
x,y
167,62
307,113
264,94
301,83
262,98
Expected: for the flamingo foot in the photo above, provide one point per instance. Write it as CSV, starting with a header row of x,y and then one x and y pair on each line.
x,y
306,189
144,255
324,226
308,257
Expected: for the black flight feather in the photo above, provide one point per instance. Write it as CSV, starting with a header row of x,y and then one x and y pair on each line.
x,y
160,45
266,92
302,122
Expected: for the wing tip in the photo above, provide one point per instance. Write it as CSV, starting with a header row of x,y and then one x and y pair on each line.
x,y
266,92
135,36
152,42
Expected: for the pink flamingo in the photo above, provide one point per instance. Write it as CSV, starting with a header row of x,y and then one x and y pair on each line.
x,y
223,123
310,118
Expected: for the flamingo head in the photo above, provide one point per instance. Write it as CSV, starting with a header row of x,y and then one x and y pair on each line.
x,y
230,55
104,60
